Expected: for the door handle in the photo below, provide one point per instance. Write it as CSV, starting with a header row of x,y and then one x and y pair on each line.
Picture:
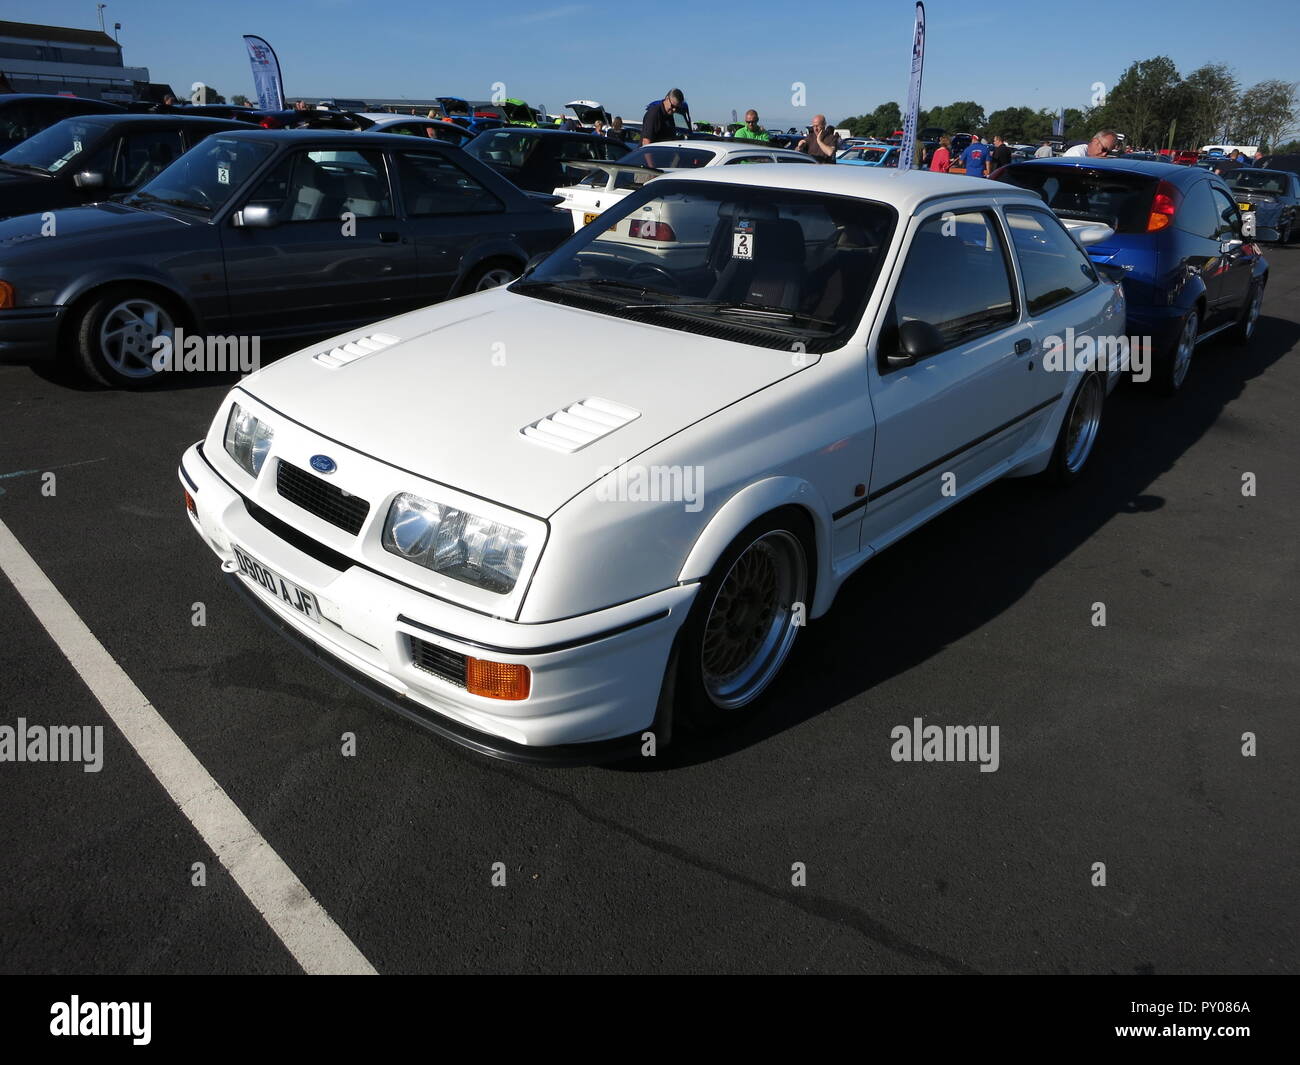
x,y
389,237
1023,345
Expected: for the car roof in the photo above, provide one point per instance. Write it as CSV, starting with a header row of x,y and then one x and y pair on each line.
x,y
904,189
131,118
1148,167
720,147
330,136
543,131
16,97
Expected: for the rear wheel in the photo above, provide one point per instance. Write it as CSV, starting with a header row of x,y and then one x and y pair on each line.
x,y
114,335
491,274
1245,327
1079,430
1171,367
744,622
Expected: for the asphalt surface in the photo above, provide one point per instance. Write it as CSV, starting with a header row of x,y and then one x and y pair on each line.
x,y
1120,745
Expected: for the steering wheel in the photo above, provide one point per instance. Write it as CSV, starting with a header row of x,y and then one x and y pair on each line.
x,y
643,273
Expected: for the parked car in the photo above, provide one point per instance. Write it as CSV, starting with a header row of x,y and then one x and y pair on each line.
x,y
488,560
538,159
607,183
24,114
462,114
1191,270
870,155
449,132
95,157
312,118
266,233
1274,195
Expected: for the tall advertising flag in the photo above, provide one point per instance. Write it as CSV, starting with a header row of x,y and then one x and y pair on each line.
x,y
907,154
266,74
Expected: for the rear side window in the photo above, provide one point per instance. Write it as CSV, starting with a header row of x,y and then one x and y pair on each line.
x,y
1054,267
432,185
957,278
1118,199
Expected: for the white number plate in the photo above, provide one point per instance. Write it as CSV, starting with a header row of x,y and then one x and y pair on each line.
x,y
272,583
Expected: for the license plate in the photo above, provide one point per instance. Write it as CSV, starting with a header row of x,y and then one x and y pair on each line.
x,y
590,217
284,590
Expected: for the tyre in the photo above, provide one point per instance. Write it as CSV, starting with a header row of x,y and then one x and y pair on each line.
x,y
492,274
1079,431
1171,366
1245,327
744,622
113,335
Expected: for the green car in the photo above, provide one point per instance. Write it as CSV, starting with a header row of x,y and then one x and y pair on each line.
x,y
518,113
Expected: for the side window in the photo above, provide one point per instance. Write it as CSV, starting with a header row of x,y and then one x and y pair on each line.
x,y
433,185
320,186
143,155
1054,267
748,159
1228,214
956,278
1199,214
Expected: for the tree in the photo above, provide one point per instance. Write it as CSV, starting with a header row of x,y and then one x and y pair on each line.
x,y
1207,101
886,118
239,100
1266,113
1018,124
965,116
1142,101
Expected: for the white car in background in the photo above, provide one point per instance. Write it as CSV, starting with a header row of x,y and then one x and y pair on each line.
x,y
622,523
610,182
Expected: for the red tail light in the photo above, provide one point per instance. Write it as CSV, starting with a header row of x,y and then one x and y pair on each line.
x,y
1163,207
648,229
270,123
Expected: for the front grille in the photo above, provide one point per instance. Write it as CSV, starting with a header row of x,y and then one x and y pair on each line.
x,y
449,665
297,538
328,502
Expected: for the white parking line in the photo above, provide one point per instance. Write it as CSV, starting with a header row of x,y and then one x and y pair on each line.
x,y
302,925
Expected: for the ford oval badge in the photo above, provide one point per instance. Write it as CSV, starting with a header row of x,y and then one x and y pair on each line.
x,y
323,464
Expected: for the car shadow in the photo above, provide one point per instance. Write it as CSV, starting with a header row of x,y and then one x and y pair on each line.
x,y
961,570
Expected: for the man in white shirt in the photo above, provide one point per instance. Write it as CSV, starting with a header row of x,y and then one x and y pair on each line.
x,y
1044,151
1103,143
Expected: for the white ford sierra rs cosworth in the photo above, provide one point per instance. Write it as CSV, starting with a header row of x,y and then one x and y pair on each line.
x,y
545,519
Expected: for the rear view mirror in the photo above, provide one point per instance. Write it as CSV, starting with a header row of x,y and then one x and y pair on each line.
x,y
916,340
254,216
89,179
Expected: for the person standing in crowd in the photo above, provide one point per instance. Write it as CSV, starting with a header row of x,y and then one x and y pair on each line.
x,y
658,124
616,131
942,158
1044,151
821,142
1001,153
1103,143
751,130
598,128
976,158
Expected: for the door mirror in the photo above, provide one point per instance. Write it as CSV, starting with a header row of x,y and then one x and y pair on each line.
x,y
254,216
916,340
89,179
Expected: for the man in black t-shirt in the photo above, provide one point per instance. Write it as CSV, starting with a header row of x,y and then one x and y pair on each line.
x,y
1001,154
658,124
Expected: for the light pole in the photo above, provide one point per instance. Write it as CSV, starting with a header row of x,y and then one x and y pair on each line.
x,y
99,8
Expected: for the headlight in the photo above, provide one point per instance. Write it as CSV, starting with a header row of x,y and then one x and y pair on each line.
x,y
247,439
456,544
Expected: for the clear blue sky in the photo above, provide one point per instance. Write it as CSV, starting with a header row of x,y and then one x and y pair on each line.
x,y
728,54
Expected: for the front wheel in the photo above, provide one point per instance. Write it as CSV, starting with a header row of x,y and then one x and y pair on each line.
x,y
744,622
114,336
491,274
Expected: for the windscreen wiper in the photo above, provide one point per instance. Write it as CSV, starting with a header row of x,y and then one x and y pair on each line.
x,y
754,310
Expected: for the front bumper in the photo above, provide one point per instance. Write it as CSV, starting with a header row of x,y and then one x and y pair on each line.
x,y
29,332
595,679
